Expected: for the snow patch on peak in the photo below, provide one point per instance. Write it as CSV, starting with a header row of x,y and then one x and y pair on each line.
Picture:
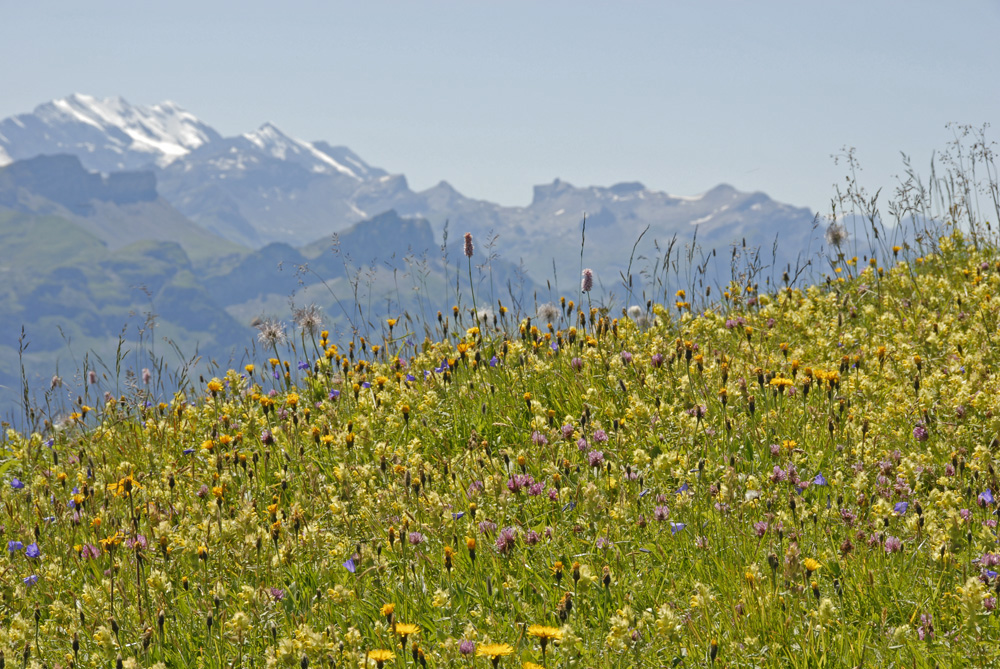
x,y
686,198
5,158
272,141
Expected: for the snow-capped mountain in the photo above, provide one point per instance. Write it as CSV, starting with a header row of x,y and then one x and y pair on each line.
x,y
107,135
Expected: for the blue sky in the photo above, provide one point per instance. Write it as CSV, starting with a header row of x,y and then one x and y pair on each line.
x,y
495,97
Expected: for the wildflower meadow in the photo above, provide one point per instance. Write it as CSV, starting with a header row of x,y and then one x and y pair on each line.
x,y
789,475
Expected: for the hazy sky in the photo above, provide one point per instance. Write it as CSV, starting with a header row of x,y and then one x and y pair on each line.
x,y
495,97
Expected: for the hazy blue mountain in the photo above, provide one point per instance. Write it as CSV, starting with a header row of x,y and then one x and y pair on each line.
x,y
119,208
264,187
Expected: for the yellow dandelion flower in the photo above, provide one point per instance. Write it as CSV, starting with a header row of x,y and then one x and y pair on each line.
x,y
406,629
494,651
380,656
811,564
545,634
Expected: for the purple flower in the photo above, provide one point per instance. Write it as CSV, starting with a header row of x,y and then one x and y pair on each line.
x,y
506,540
893,545
602,542
468,245
303,365
595,458
657,359
494,361
901,508
760,528
278,594
531,538
31,580
920,433
677,527
32,551
661,513
567,431
335,394
626,357
487,527
416,538
600,436
538,439
467,647
819,480
90,551
587,282
576,364
188,451
349,565
138,542
14,546
985,498
519,482
926,628
16,484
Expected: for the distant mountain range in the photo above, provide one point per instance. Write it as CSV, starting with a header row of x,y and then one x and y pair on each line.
x,y
117,209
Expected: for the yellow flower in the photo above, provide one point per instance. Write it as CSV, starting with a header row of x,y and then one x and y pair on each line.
x,y
811,564
111,542
124,486
545,632
406,629
380,656
494,651
214,386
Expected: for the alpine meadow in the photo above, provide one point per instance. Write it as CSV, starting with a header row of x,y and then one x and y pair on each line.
x,y
793,466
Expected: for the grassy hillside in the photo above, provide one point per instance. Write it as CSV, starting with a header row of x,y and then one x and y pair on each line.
x,y
799,477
